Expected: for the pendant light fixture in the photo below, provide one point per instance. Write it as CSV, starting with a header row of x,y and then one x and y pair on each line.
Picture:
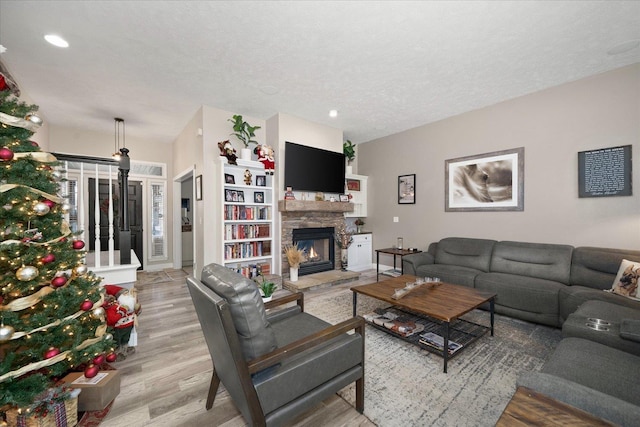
x,y
118,127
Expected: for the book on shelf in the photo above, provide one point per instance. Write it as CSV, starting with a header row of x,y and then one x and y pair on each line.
x,y
436,341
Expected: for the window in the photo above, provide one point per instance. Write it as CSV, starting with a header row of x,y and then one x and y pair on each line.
x,y
158,247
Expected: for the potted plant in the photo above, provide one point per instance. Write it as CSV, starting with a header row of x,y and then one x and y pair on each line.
x,y
267,288
244,132
295,256
359,223
349,150
343,240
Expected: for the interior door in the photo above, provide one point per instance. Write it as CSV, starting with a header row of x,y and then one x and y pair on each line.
x,y
135,215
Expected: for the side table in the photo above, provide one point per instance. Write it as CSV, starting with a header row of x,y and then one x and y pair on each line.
x,y
395,252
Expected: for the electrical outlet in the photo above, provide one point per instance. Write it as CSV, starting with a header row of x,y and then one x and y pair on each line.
x,y
396,219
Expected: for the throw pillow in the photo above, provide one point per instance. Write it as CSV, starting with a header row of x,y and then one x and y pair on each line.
x,y
626,282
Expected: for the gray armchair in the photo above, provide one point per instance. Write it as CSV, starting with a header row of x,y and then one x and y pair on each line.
x,y
275,366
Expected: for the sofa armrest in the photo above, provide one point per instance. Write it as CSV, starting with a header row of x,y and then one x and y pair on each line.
x,y
630,329
410,263
587,399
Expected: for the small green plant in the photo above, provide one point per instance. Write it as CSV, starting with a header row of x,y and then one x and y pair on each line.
x,y
243,130
349,150
267,287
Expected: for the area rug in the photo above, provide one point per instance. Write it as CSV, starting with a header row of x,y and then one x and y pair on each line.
x,y
405,385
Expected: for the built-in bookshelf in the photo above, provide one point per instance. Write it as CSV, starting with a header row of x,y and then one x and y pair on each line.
x,y
247,218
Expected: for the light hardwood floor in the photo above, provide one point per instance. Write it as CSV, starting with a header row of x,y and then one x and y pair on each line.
x,y
165,382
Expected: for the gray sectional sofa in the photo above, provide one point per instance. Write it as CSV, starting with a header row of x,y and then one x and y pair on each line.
x,y
596,370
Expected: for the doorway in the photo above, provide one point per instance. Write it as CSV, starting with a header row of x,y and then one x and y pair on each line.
x,y
135,215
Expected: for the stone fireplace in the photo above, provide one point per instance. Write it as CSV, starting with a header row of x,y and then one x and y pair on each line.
x,y
300,215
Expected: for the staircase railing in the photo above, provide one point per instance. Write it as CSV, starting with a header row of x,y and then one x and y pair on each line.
x,y
100,168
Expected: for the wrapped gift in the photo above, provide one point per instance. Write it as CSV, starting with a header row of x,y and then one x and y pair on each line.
x,y
63,414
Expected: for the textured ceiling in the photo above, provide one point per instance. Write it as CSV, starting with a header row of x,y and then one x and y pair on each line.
x,y
385,66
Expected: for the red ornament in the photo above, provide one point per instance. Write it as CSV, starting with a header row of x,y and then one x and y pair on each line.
x,y
59,281
78,244
112,357
34,144
49,203
91,371
52,352
6,154
48,258
99,359
86,305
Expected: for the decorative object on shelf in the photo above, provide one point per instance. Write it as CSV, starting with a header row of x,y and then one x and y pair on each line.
x,y
247,176
267,288
353,184
258,197
343,240
344,197
400,244
199,187
229,179
227,150
486,182
359,223
319,196
407,189
295,256
266,157
349,150
244,132
261,180
289,194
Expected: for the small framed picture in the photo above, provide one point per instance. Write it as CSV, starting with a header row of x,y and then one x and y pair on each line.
x,y
228,196
258,197
199,187
261,180
407,189
229,179
353,184
240,196
344,197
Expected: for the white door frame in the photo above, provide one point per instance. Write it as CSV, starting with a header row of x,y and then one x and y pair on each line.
x,y
187,174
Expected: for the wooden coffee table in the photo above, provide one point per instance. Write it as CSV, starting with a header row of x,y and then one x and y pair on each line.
x,y
445,303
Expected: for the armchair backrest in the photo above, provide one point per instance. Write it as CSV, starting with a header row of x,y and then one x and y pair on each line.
x,y
217,324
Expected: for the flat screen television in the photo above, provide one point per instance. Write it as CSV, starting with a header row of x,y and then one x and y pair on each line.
x,y
313,169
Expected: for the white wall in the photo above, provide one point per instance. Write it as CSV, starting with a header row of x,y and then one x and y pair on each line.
x,y
553,125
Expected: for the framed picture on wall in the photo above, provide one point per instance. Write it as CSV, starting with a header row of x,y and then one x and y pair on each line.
x,y
261,180
258,197
353,184
485,182
229,178
407,189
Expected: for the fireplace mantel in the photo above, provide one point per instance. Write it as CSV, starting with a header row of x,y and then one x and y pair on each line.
x,y
313,206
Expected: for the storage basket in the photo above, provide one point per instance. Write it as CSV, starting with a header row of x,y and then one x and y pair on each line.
x,y
50,420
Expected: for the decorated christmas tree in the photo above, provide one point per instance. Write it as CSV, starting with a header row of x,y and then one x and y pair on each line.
x,y
51,315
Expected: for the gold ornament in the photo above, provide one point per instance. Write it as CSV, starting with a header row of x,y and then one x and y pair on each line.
x,y
81,270
6,332
98,313
65,207
26,273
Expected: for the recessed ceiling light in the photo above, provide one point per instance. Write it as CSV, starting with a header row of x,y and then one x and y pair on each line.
x,y
56,40
624,47
333,113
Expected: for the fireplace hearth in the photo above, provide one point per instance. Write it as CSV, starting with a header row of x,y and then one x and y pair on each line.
x,y
319,247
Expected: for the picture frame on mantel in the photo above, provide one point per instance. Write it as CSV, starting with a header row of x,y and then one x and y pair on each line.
x,y
407,189
485,182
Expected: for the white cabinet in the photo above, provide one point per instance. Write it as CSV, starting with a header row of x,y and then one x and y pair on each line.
x,y
247,219
360,252
356,189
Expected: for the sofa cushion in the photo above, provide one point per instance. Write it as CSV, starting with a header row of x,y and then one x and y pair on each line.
x,y
521,292
539,260
465,252
449,273
598,367
246,306
626,281
597,267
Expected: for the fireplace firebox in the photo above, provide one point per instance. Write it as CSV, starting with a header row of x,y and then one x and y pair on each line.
x,y
318,246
